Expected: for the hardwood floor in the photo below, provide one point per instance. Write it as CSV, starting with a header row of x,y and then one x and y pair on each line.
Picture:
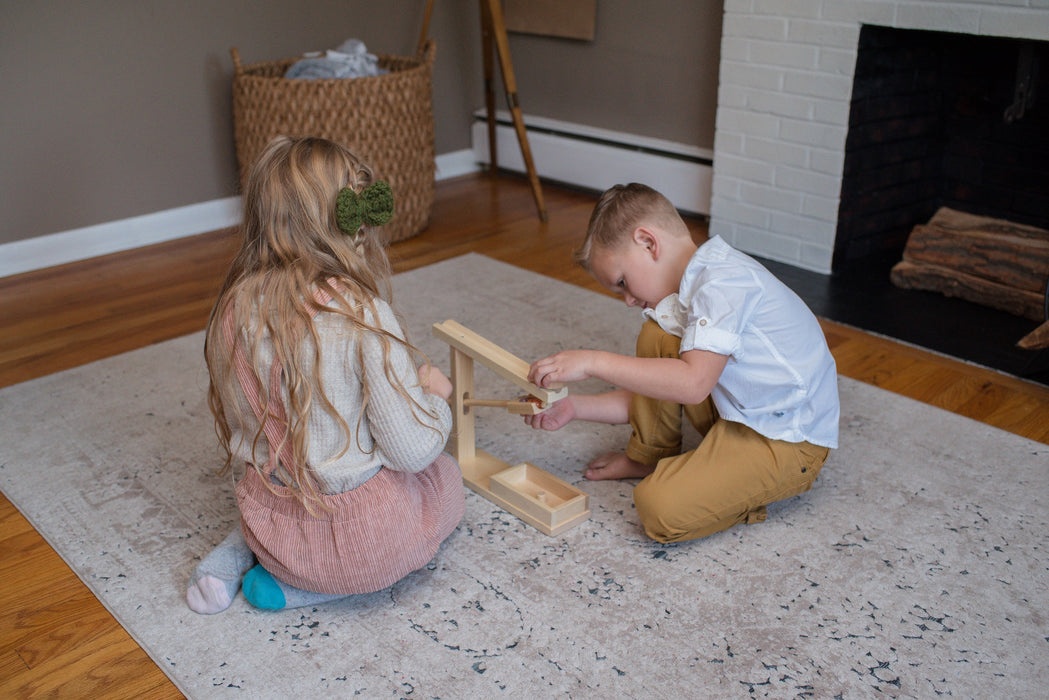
x,y
57,640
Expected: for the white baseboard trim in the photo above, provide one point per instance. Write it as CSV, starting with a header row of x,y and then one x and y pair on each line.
x,y
456,163
116,236
596,159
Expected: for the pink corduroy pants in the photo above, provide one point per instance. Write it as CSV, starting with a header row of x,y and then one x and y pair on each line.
x,y
374,535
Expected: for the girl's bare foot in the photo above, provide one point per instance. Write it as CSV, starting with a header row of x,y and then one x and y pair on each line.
x,y
616,465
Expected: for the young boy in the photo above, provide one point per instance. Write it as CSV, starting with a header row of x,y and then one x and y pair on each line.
x,y
726,343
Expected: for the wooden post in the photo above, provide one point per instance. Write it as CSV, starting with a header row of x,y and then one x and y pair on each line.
x,y
463,421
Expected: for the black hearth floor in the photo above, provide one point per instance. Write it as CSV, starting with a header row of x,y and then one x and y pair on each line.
x,y
867,299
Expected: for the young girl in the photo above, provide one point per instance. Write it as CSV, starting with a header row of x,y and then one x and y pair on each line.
x,y
315,389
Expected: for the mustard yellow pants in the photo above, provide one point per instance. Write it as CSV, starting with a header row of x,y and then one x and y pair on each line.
x,y
728,479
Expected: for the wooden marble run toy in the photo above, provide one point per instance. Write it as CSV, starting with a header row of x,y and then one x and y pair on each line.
x,y
535,496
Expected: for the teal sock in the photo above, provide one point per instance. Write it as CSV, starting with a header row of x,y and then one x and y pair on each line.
x,y
264,591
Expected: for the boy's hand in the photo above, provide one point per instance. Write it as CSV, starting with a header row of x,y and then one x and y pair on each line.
x,y
433,381
557,416
562,367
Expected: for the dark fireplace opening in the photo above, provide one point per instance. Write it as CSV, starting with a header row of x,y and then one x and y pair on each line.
x,y
940,119
937,119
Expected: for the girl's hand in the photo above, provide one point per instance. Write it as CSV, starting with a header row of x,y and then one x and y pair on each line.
x,y
563,367
557,416
433,381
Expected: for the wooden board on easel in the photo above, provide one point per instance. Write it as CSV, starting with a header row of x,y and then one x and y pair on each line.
x,y
542,500
569,19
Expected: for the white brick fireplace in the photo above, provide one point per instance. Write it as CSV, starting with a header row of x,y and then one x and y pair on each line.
x,y
783,109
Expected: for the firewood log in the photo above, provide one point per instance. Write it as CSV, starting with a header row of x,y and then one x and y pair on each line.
x,y
993,262
1036,339
952,283
992,249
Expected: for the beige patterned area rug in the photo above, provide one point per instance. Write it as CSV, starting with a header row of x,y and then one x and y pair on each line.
x,y
916,567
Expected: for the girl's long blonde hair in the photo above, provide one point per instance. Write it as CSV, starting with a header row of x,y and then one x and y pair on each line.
x,y
292,247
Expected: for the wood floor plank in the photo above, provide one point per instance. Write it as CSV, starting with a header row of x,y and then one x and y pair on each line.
x,y
11,665
57,640
1026,412
57,630
112,665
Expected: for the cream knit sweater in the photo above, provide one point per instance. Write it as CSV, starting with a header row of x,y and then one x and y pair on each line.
x,y
392,432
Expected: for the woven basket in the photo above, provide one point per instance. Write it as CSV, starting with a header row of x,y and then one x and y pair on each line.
x,y
387,120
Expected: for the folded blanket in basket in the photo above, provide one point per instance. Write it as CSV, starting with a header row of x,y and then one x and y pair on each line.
x,y
350,60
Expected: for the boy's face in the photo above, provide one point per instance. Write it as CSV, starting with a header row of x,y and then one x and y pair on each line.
x,y
634,271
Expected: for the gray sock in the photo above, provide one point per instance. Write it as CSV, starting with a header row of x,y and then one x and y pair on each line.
x,y
217,578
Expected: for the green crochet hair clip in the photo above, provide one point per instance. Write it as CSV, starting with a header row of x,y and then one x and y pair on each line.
x,y
372,206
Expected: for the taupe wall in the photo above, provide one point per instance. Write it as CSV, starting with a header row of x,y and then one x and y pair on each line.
x,y
114,109
651,70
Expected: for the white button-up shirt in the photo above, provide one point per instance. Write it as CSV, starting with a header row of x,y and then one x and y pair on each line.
x,y
780,378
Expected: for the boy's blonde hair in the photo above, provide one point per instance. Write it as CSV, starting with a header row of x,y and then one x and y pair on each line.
x,y
618,212
292,247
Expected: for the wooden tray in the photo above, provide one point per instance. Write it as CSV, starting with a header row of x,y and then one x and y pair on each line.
x,y
540,498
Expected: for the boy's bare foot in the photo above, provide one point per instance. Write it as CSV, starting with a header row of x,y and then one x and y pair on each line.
x,y
616,465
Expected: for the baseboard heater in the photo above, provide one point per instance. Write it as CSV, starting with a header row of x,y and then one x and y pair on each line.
x,y
596,159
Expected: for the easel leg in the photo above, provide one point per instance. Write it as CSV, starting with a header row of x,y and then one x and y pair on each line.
x,y
427,13
492,13
487,49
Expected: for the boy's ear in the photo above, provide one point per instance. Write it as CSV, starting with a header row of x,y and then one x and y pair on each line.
x,y
644,236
